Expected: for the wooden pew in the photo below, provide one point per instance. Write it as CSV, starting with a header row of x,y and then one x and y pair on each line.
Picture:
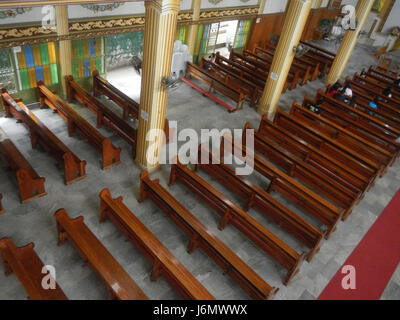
x,y
374,80
258,78
164,263
373,87
118,283
344,136
256,197
371,90
102,87
262,237
289,188
27,266
312,177
129,106
309,68
1,206
110,154
325,62
263,67
74,168
337,150
253,91
373,122
229,90
303,71
385,111
350,178
104,115
30,184
348,120
382,74
200,237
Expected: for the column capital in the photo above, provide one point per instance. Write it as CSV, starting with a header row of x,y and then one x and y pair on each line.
x,y
165,6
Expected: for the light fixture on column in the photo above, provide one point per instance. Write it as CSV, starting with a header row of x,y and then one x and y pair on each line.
x,y
300,50
170,83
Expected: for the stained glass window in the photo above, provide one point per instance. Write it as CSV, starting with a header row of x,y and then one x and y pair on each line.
x,y
87,56
36,63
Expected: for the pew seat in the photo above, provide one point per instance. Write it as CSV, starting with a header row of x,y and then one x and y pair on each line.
x,y
200,237
110,154
119,284
74,168
258,198
104,115
27,266
30,184
287,257
164,263
231,91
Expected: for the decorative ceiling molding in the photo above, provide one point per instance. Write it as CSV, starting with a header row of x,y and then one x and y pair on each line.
x,y
10,4
22,35
102,7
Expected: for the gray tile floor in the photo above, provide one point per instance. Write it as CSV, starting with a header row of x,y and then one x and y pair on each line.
x,y
34,222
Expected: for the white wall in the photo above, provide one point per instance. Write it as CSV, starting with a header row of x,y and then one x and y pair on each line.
x,y
275,6
186,5
206,4
28,17
393,19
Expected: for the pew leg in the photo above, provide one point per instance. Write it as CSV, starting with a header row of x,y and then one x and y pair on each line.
x,y
225,220
193,244
62,235
143,193
156,272
250,202
7,269
103,212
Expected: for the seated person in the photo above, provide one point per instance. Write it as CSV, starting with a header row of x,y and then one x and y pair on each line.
x,y
347,92
387,92
333,90
397,83
340,97
373,104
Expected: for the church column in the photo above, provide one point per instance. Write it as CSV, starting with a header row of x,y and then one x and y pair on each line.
x,y
261,6
318,4
295,20
65,55
194,28
349,42
159,35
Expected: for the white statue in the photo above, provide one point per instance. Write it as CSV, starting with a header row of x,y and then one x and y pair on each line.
x,y
179,59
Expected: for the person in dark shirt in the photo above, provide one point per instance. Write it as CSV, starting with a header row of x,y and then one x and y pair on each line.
x,y
387,92
316,107
340,97
334,89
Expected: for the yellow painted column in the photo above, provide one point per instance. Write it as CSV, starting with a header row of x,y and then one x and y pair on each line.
x,y
194,28
159,35
293,26
318,4
261,6
65,56
349,42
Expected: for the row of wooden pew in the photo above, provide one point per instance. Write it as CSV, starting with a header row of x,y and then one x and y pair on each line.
x,y
30,184
27,266
243,75
322,163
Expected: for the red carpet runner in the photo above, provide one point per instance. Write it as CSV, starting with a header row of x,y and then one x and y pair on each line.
x,y
375,259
